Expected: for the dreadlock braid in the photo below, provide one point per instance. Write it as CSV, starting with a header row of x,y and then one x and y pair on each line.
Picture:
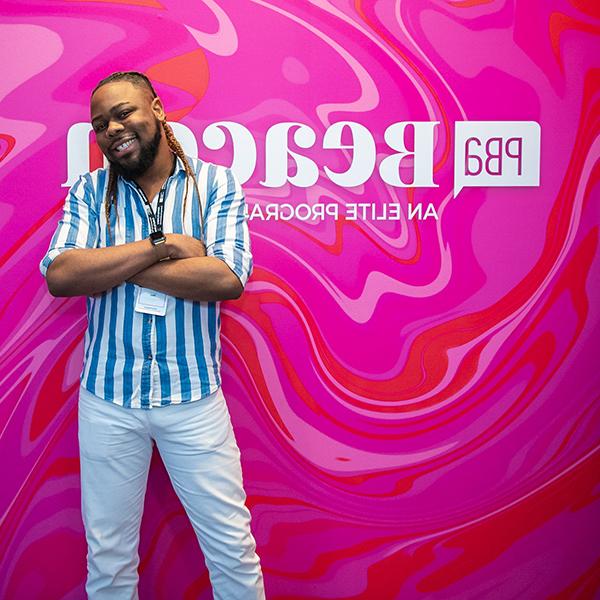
x,y
189,172
110,199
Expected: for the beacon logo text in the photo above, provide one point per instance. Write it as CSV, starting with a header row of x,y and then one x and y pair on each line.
x,y
486,153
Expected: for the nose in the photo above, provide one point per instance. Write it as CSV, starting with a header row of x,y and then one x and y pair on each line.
x,y
113,128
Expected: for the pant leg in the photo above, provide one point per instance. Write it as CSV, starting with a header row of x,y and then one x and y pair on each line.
x,y
199,450
115,449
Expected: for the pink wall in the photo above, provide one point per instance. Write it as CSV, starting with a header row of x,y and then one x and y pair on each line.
x,y
416,401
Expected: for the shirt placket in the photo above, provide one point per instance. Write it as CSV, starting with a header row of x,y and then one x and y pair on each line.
x,y
150,383
148,346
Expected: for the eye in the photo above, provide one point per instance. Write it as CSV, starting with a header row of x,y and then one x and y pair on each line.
x,y
124,114
99,127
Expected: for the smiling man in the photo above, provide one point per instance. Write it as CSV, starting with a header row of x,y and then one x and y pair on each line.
x,y
155,242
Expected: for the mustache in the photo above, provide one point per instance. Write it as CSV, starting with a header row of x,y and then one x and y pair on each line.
x,y
146,158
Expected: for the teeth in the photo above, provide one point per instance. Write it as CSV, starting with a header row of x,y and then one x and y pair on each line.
x,y
124,145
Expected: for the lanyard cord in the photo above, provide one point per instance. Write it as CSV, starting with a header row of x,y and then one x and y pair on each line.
x,y
156,219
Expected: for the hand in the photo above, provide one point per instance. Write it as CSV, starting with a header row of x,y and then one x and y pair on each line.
x,y
184,246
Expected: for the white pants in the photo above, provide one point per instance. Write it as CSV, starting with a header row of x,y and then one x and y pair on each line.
x,y
198,447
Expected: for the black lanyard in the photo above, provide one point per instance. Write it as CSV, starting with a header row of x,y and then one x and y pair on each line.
x,y
156,219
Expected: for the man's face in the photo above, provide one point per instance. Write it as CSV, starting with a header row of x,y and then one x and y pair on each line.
x,y
126,120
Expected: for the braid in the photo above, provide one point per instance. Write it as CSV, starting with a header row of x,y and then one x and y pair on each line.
x,y
189,172
140,79
111,198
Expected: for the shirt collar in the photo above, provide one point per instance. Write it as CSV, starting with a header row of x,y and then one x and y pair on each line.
x,y
179,168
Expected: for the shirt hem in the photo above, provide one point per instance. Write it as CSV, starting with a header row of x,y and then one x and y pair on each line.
x,y
136,402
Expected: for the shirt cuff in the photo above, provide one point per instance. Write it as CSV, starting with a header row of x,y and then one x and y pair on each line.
x,y
49,258
239,261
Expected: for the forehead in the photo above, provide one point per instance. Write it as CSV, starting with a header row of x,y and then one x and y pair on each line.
x,y
117,92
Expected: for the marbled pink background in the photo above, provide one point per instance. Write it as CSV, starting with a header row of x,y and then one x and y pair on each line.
x,y
416,402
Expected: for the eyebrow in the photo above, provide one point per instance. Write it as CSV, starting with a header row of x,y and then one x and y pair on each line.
x,y
115,108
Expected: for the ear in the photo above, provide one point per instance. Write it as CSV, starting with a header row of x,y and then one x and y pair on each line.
x,y
157,109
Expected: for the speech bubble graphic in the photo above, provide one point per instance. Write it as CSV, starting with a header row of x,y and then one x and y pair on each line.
x,y
496,154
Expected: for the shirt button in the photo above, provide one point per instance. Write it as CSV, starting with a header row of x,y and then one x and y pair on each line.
x,y
149,357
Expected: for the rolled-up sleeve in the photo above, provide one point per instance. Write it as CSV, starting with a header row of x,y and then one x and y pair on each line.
x,y
78,227
226,226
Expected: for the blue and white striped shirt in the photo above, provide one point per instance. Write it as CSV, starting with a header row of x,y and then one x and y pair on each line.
x,y
135,359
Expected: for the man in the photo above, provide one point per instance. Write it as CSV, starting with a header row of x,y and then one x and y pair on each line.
x,y
155,242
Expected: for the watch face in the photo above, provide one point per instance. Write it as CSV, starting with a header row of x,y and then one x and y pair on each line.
x,y
157,237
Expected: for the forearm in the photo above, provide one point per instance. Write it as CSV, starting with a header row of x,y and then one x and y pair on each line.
x,y
89,271
204,279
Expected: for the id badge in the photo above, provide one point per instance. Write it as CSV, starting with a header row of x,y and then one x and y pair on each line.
x,y
151,302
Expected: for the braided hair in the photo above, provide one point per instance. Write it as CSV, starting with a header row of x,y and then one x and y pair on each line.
x,y
110,199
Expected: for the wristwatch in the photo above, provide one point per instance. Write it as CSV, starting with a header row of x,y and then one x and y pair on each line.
x,y
157,237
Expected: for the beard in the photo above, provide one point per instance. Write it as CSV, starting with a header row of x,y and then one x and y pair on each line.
x,y
145,160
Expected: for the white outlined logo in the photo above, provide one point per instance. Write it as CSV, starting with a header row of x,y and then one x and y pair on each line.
x,y
496,154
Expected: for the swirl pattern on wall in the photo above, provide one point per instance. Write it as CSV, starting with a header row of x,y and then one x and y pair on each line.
x,y
416,401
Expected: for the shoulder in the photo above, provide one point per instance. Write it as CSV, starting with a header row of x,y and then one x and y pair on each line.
x,y
92,180
89,188
211,176
200,167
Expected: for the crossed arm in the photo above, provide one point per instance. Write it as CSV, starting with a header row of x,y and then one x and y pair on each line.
x,y
179,267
